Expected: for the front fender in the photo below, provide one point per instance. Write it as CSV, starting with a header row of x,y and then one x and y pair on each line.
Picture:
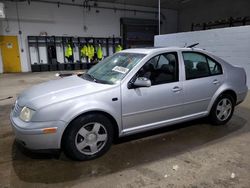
x,y
69,109
92,106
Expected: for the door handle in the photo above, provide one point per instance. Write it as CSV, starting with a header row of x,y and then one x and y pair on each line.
x,y
216,82
176,89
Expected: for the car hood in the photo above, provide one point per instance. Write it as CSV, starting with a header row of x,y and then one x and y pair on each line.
x,y
55,91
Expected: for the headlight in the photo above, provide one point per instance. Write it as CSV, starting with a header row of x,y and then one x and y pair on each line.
x,y
26,114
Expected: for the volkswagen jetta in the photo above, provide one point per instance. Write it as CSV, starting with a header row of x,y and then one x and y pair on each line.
x,y
129,92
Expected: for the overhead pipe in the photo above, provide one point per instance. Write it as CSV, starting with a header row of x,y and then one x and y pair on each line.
x,y
159,15
100,7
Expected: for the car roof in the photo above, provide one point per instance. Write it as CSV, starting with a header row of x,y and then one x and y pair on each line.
x,y
155,50
149,50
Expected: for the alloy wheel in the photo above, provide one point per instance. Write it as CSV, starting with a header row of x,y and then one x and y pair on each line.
x,y
224,109
91,138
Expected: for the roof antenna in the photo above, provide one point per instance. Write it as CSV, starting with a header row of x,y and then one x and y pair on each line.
x,y
193,45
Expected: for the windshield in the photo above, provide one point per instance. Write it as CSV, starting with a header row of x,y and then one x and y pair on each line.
x,y
114,68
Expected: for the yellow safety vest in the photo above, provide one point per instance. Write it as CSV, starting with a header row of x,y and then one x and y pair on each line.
x,y
89,51
92,52
68,51
83,52
99,52
118,48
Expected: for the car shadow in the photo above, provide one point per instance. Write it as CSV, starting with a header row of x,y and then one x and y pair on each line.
x,y
128,152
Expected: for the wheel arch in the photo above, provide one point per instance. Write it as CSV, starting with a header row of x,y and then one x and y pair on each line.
x,y
226,91
109,116
230,92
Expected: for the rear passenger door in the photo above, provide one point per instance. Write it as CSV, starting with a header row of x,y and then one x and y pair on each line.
x,y
203,77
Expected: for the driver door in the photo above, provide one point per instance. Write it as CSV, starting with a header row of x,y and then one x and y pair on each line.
x,y
148,107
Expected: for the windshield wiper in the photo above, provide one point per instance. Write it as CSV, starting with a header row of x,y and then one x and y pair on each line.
x,y
90,76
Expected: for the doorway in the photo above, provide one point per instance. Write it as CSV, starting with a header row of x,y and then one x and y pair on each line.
x,y
10,54
138,33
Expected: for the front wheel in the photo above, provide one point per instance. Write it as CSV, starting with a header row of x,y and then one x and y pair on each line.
x,y
88,137
222,110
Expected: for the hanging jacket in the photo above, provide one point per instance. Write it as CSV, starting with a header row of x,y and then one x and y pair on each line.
x,y
118,48
89,51
69,51
99,52
92,52
83,52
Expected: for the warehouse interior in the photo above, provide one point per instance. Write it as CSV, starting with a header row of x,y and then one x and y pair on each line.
x,y
41,39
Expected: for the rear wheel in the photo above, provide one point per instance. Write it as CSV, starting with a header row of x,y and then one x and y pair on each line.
x,y
88,137
222,110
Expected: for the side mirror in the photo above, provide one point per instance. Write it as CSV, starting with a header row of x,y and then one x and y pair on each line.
x,y
142,82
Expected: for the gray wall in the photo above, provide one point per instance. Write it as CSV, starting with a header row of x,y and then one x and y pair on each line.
x,y
231,44
69,21
199,11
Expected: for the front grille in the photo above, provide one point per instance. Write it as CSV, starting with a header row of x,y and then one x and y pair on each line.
x,y
17,110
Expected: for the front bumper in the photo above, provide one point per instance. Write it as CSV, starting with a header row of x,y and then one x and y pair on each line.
x,y
32,136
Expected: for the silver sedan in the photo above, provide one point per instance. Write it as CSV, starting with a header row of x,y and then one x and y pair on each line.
x,y
132,91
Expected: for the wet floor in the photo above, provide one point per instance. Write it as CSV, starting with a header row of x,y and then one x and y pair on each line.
x,y
205,155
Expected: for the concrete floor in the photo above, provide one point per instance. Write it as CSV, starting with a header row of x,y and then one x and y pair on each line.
x,y
206,155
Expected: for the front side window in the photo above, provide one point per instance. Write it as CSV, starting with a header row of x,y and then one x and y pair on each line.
x,y
161,69
198,65
114,68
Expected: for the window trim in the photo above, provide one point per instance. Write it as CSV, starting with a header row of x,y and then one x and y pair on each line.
x,y
207,57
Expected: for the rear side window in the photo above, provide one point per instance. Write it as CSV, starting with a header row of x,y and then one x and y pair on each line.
x,y
214,67
198,65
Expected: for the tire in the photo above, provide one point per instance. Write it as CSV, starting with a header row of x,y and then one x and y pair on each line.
x,y
88,137
222,110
